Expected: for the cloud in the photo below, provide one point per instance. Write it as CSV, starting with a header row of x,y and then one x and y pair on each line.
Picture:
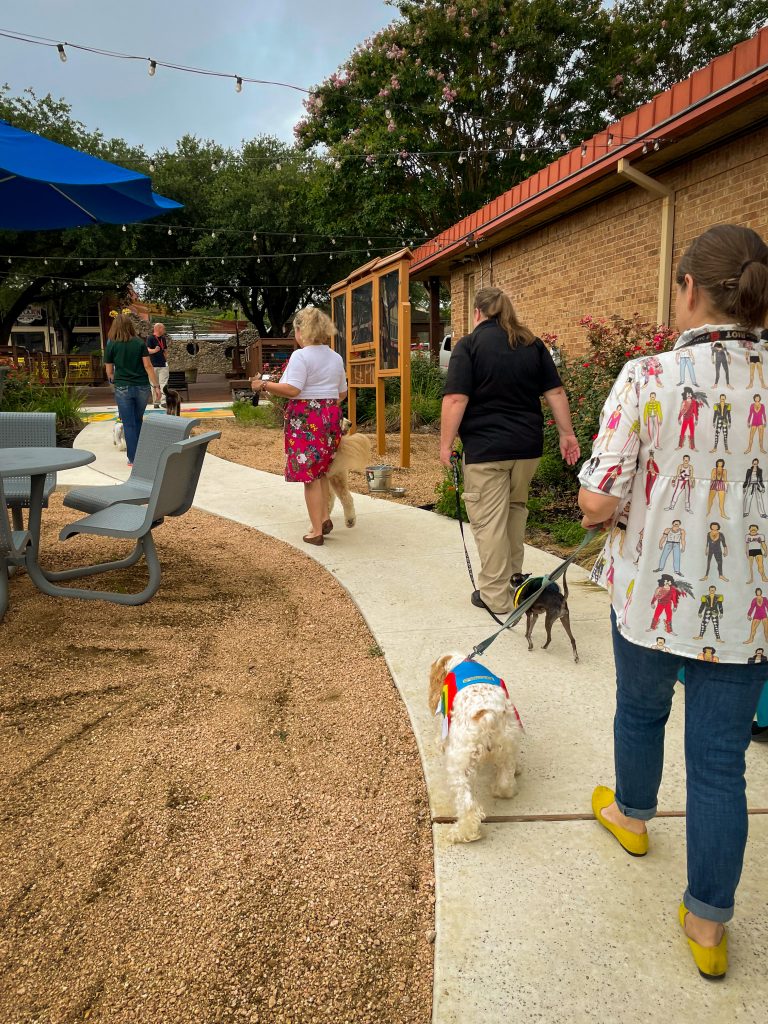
x,y
296,41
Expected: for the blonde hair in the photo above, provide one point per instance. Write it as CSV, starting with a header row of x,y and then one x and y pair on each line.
x,y
122,328
315,326
497,305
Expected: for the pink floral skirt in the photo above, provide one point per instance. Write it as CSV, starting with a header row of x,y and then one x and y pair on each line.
x,y
312,435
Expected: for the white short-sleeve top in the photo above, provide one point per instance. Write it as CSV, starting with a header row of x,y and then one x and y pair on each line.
x,y
317,371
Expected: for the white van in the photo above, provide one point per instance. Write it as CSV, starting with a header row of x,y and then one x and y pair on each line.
x,y
445,352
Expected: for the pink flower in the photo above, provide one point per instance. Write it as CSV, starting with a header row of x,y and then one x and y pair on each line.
x,y
391,126
394,82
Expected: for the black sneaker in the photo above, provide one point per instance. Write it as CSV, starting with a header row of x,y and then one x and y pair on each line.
x,y
759,733
478,602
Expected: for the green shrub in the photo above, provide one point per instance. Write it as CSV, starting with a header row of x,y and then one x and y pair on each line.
x,y
248,415
23,393
565,532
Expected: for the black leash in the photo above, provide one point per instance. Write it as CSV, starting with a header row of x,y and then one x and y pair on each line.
x,y
529,602
456,484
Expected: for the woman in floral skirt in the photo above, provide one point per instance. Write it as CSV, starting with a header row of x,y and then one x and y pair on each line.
x,y
314,382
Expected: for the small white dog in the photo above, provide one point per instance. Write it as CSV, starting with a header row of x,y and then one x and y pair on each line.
x,y
118,436
352,455
480,723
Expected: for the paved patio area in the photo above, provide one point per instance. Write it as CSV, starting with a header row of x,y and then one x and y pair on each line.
x,y
546,919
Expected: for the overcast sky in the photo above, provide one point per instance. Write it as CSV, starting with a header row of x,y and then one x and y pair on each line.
x,y
297,41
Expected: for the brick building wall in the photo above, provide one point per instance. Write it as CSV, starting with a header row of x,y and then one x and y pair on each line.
x,y
604,259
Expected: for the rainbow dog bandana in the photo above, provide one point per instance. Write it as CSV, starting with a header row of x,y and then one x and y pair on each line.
x,y
466,673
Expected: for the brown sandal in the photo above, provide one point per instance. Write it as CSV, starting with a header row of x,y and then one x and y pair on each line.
x,y
327,527
314,540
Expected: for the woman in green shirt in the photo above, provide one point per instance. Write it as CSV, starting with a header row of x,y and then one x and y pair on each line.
x,y
130,369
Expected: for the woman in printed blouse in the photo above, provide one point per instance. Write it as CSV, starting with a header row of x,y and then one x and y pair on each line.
x,y
315,383
721,300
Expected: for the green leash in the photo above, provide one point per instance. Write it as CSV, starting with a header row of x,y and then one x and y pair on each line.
x,y
529,602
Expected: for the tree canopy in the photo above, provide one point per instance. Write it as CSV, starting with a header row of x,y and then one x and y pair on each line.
x,y
458,100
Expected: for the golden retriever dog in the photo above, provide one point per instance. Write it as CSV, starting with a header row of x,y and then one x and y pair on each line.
x,y
352,456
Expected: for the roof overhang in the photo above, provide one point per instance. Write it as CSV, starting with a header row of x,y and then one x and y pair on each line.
x,y
692,117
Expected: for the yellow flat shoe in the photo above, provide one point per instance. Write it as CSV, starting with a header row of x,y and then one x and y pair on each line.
x,y
712,961
635,845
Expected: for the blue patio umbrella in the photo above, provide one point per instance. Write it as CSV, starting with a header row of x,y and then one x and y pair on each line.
x,y
46,185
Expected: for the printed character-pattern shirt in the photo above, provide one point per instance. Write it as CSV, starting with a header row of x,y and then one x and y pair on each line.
x,y
660,577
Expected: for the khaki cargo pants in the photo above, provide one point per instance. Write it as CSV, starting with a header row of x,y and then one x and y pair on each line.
x,y
496,497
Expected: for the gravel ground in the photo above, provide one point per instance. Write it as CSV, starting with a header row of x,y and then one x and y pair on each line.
x,y
202,818
262,448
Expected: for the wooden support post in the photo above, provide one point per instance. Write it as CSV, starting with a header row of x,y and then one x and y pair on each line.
x,y
405,385
381,418
666,240
435,330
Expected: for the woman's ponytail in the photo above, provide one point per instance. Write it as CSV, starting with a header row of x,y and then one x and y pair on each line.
x,y
497,305
730,263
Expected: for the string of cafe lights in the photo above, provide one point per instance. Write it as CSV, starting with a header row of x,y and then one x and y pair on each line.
x,y
191,285
399,156
405,239
192,258
152,63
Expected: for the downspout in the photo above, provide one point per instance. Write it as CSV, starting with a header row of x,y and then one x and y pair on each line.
x,y
626,170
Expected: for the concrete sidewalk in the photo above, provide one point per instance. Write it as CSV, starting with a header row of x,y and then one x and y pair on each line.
x,y
545,919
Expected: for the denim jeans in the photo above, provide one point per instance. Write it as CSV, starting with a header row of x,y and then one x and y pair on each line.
x,y
720,703
671,548
131,403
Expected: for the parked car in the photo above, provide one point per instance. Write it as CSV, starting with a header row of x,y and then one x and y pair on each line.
x,y
445,352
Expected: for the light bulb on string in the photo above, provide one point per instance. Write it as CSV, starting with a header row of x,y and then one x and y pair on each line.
x,y
399,162
254,236
388,114
510,130
187,262
522,155
170,231
462,158
45,262
645,148
449,121
294,238
563,137
369,241
116,263
368,253
222,263
213,234
151,263
584,149
333,241
258,259
278,166
610,138
62,53
294,257
10,260
124,228
81,263
238,84
656,146
151,167
152,68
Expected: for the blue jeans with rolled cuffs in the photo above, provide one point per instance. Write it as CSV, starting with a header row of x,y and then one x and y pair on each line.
x,y
131,402
720,703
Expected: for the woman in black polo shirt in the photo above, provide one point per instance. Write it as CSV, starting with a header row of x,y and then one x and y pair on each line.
x,y
496,379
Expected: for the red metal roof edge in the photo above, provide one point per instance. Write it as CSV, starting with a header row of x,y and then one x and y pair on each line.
x,y
722,81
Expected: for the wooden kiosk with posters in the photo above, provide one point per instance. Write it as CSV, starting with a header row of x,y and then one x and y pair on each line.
x,y
372,313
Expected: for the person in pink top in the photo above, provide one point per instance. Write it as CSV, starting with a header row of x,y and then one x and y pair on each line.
x,y
758,612
756,422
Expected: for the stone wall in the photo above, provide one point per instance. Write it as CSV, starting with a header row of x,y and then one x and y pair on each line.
x,y
205,357
604,259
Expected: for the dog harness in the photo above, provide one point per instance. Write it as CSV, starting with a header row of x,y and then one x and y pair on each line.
x,y
529,587
467,673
